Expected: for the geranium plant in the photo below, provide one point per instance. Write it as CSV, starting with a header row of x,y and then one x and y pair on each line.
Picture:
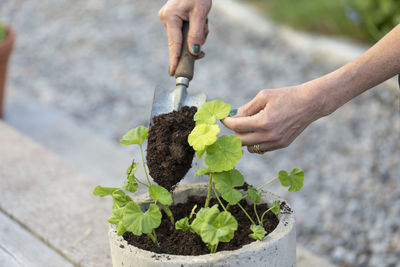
x,y
220,153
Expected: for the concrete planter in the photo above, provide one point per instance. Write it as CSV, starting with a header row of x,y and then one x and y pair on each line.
x,y
277,249
6,48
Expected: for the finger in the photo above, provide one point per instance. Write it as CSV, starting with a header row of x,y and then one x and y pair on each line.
x,y
174,34
265,147
201,55
257,137
244,124
252,107
196,34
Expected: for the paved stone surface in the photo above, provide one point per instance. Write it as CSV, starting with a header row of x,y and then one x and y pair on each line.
x,y
99,61
52,200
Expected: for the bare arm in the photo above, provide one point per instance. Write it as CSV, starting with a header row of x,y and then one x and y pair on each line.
x,y
274,118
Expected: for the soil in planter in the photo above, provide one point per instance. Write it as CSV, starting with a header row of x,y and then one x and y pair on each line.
x,y
169,156
178,242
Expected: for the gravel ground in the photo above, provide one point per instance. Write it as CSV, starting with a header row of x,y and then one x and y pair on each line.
x,y
99,60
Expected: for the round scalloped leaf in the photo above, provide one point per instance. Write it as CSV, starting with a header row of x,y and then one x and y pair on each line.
x,y
293,180
218,227
183,224
160,194
135,136
225,182
137,222
254,195
224,153
275,207
203,135
210,111
258,232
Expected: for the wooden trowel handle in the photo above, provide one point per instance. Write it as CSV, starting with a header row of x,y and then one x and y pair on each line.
x,y
186,60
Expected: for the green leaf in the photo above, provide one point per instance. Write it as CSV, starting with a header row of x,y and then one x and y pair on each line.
x,y
210,111
214,226
132,169
135,136
202,171
120,199
293,180
258,232
104,191
225,183
203,135
137,222
161,194
116,218
131,186
254,195
183,224
276,207
224,153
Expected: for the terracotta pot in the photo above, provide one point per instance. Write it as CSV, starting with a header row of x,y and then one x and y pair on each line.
x,y
277,249
6,48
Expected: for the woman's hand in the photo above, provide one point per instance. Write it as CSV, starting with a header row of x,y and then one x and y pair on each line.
x,y
275,117
172,14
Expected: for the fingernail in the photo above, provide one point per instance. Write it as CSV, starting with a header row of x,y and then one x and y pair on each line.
x,y
195,49
233,112
206,20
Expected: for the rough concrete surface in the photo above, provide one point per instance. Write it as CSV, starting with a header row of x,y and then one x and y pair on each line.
x,y
99,61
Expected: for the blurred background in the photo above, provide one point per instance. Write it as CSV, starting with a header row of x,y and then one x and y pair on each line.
x,y
83,73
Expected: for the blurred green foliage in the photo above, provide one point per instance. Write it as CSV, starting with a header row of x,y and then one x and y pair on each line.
x,y
365,20
3,32
377,16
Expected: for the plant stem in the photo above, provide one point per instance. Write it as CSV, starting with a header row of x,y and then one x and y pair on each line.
x,y
168,211
265,212
153,237
255,211
214,248
228,206
267,183
144,202
245,212
216,194
209,191
144,165
140,182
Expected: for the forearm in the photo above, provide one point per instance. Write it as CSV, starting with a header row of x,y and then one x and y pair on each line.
x,y
379,63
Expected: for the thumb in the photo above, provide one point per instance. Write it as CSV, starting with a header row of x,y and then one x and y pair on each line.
x,y
196,34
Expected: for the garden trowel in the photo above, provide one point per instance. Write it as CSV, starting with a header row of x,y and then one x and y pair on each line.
x,y
165,101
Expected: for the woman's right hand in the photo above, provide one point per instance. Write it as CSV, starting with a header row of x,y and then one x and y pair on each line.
x,y
172,15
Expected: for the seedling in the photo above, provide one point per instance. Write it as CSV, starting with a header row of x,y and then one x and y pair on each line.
x,y
127,214
221,155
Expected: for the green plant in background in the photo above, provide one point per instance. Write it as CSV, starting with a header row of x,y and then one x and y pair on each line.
x,y
127,214
365,20
221,155
3,32
378,17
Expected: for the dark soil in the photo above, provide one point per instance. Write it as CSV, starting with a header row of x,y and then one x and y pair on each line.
x,y
178,242
169,156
